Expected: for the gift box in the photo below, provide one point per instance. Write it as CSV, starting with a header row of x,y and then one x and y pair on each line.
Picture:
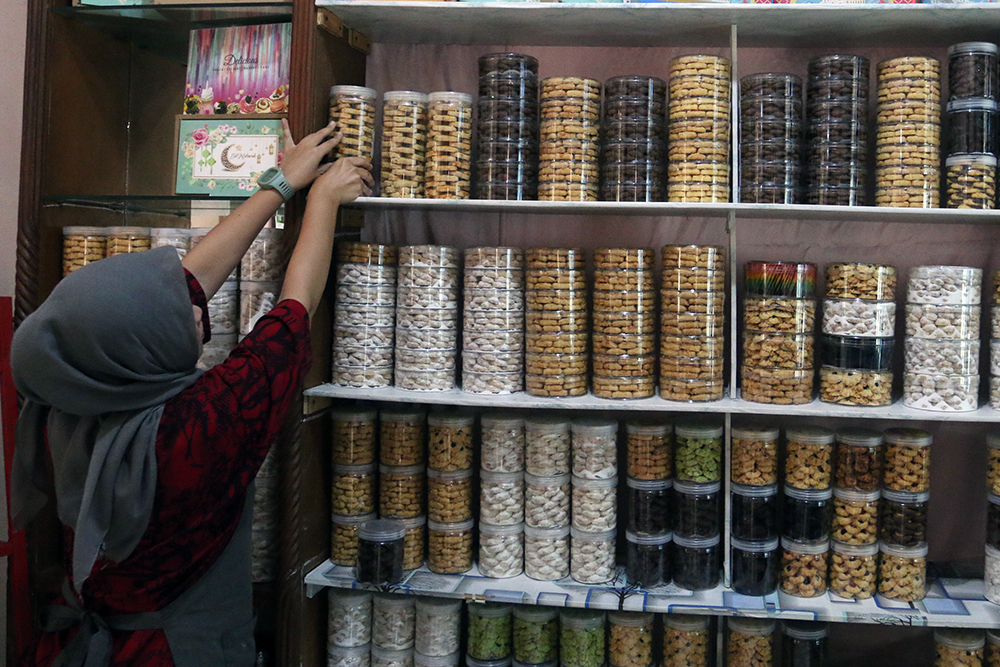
x,y
222,156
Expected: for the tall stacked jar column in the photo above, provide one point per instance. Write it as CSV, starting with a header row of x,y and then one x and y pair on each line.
x,y
770,138
697,553
449,145
754,501
624,362
402,480
570,129
353,438
692,323
995,344
449,483
404,143
634,131
971,162
546,459
595,500
650,517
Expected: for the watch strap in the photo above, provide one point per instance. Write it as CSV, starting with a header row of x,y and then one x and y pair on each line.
x,y
276,181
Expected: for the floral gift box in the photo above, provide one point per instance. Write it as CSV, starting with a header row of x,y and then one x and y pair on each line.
x,y
222,156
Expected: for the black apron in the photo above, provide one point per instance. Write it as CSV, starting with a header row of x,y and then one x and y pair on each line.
x,y
209,625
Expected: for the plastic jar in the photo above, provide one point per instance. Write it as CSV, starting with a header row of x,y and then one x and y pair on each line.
x,y
502,448
754,456
581,638
647,561
355,656
686,640
697,562
263,260
697,509
754,512
902,573
853,570
353,109
449,495
449,137
501,550
547,445
404,143
855,516
546,553
421,660
907,459
993,468
750,642
595,453
224,309
649,505
352,441
595,504
592,556
490,631
806,515
536,634
804,567
350,617
380,551
414,541
972,70
970,181
401,491
344,539
698,452
903,518
944,285
449,437
546,500
630,639
649,448
501,500
958,647
859,459
860,281
438,626
808,459
754,566
803,644
402,433
449,547
353,489
393,621
124,240
82,246
993,652
972,126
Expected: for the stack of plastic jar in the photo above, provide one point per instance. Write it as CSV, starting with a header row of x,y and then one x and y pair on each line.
x,y
260,274
545,446
507,166
427,317
353,109
449,468
959,647
750,642
365,315
770,138
571,123
349,626
635,115
624,362
438,629
971,163
595,497
402,476
995,344
493,331
82,246
859,325
908,142
754,502
698,170
692,322
778,325
556,322
697,504
352,443
125,240
942,338
992,576
648,502
449,146
837,130
808,475
502,497
404,143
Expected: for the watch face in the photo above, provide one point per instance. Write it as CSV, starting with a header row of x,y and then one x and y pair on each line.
x,y
268,176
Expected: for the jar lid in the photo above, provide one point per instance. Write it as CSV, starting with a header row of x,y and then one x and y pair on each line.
x,y
134,231
458,527
859,437
352,520
755,546
491,610
601,483
654,539
349,596
968,274
754,433
854,549
548,424
401,415
811,548
546,480
696,542
698,430
582,619
808,494
382,530
906,496
343,652
993,498
630,619
449,96
968,159
490,529
993,637
972,47
648,428
435,606
500,662
556,533
493,477
686,622
456,419
447,475
697,488
394,600
401,656
356,91
415,469
972,104
414,522
918,551
993,440
804,629
501,420
649,484
751,626
856,496
421,660
962,640
910,437
810,435
85,231
354,469
587,536
532,613
749,491
594,427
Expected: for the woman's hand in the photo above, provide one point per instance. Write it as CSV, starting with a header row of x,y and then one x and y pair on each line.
x,y
301,161
345,180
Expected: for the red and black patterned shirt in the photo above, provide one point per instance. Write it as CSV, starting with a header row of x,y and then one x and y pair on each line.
x,y
212,439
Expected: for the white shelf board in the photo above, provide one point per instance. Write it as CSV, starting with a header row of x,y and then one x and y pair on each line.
x,y
661,24
794,212
817,408
949,603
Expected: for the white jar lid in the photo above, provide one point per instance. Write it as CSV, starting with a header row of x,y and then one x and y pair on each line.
x,y
454,419
919,551
649,484
382,530
910,437
586,536
394,600
810,435
697,488
751,626
962,640
449,475
696,430
354,469
449,96
401,415
853,495
493,477
400,471
687,622
600,483
353,91
754,433
648,540
132,231
630,619
812,548
582,619
859,437
421,660
804,629
906,496
972,47
438,606
354,415
404,96
349,597
532,613
969,159
755,546
490,529
595,427
500,420
808,495
458,527
648,428
491,610
846,549
751,491
85,231
555,533
546,480
352,520
696,542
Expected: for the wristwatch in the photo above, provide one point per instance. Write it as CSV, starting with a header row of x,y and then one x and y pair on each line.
x,y
274,179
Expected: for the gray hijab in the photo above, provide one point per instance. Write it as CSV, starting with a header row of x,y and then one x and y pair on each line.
x,y
96,363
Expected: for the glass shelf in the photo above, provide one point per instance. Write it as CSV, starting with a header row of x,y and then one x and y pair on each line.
x,y
178,205
950,601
